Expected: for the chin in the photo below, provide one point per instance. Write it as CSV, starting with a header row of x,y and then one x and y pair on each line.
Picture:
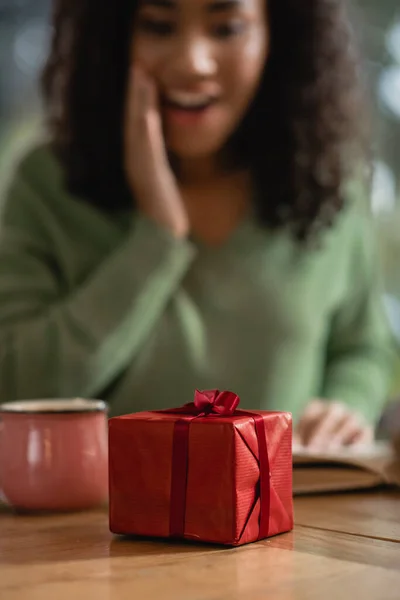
x,y
195,147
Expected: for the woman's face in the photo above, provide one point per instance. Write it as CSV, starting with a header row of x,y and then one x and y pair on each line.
x,y
206,58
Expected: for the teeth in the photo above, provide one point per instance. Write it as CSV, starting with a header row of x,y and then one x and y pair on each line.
x,y
188,99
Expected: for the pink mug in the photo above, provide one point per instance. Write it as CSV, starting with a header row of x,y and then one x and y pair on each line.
x,y
54,454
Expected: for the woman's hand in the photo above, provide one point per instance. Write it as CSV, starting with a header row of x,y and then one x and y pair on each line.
x,y
329,425
146,163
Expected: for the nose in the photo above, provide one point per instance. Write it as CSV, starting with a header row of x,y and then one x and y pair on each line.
x,y
194,58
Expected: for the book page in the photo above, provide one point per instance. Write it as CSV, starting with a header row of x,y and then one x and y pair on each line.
x,y
354,455
312,479
377,458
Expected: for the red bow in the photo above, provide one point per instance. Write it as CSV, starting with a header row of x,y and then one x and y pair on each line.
x,y
214,402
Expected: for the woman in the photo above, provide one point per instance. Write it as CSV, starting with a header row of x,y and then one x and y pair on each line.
x,y
191,221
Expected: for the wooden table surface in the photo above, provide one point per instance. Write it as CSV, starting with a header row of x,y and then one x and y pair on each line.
x,y
343,546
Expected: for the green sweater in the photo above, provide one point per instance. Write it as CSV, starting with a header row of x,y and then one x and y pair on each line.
x,y
113,307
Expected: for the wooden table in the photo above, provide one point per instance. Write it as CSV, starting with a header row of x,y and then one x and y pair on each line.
x,y
343,546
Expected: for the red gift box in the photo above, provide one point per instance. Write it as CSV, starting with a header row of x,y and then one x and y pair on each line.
x,y
206,472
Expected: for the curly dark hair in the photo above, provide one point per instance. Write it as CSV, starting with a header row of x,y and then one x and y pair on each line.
x,y
301,134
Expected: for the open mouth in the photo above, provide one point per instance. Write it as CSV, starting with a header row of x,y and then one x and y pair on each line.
x,y
188,102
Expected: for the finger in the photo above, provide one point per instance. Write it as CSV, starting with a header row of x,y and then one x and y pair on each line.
x,y
132,97
144,98
296,441
138,98
146,120
348,429
138,93
321,434
363,437
309,419
150,96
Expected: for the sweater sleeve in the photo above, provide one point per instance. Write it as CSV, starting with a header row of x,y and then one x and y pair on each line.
x,y
54,344
360,354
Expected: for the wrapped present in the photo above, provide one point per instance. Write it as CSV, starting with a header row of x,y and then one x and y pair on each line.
x,y
206,472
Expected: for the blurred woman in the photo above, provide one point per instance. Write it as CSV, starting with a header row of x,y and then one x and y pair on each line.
x,y
196,216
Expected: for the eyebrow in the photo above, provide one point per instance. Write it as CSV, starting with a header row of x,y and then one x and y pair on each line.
x,y
214,7
223,5
160,3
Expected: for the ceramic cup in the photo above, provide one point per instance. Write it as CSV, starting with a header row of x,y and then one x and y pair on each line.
x,y
54,454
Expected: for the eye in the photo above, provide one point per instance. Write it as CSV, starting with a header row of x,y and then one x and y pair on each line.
x,y
155,26
230,29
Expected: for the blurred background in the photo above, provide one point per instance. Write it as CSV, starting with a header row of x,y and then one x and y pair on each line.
x,y
24,38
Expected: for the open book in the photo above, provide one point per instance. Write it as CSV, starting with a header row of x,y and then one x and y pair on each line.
x,y
345,469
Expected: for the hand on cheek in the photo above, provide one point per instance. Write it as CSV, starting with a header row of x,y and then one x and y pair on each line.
x,y
330,425
147,167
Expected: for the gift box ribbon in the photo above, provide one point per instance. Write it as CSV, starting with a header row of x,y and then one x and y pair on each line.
x,y
208,404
